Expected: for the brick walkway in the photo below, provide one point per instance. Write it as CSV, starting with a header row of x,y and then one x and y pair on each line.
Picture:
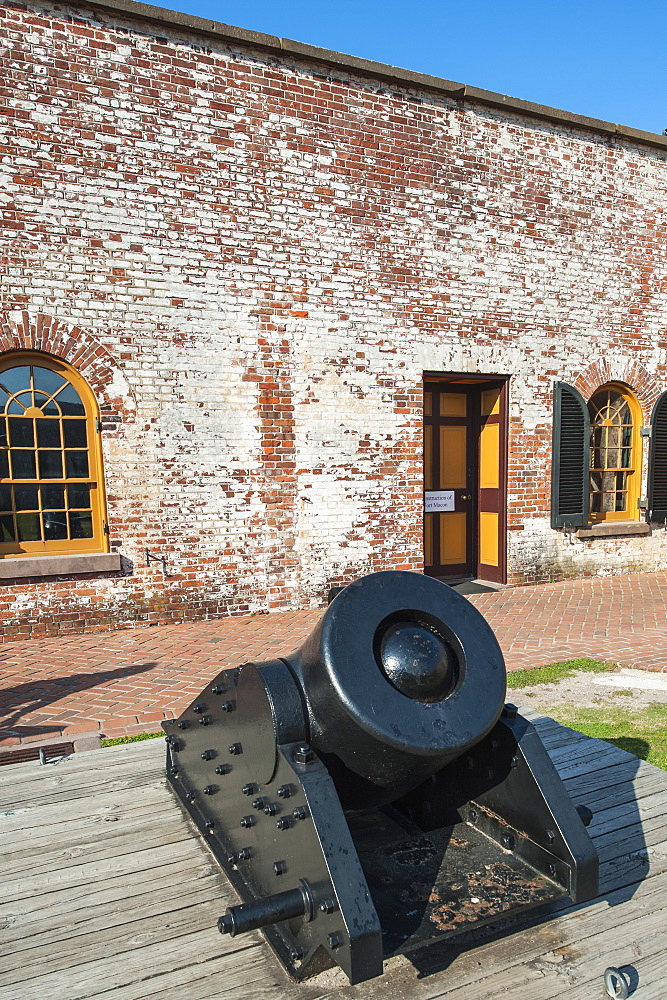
x,y
128,680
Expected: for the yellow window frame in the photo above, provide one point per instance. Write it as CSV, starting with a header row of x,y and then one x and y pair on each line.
x,y
43,517
631,471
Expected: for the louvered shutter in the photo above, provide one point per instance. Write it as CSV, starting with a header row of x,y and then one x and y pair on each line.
x,y
657,463
571,459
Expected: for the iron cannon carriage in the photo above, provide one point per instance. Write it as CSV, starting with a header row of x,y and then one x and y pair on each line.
x,y
372,792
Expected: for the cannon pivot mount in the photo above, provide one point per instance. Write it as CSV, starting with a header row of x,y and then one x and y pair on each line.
x,y
371,792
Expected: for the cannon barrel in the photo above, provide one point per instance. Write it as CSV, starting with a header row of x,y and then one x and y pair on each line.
x,y
400,676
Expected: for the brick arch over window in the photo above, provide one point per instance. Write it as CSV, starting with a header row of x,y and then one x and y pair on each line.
x,y
626,371
43,333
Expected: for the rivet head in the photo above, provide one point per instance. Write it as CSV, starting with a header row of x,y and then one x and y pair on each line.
x,y
247,821
198,709
327,906
283,823
296,954
223,768
284,792
509,711
209,789
235,749
335,940
279,867
258,803
228,706
208,755
182,724
208,825
300,812
191,796
244,854
270,809
249,789
218,689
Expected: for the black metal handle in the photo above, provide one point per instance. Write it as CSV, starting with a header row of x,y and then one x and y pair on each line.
x,y
270,910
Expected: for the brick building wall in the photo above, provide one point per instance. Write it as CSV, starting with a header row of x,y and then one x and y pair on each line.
x,y
254,255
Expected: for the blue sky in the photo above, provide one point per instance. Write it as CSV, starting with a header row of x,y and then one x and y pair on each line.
x,y
603,59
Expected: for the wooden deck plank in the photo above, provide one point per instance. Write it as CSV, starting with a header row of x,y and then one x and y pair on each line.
x,y
84,920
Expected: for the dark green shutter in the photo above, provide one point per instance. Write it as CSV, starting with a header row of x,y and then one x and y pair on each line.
x,y
571,459
657,463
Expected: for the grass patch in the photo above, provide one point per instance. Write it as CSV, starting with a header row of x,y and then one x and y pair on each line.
x,y
643,733
551,673
129,739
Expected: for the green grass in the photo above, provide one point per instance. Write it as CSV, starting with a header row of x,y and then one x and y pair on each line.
x,y
642,732
129,739
553,672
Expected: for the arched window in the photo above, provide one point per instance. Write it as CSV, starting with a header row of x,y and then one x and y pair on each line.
x,y
615,464
51,486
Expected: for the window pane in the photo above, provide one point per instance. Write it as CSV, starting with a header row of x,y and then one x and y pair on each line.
x,y
3,432
21,433
47,381
612,458
70,403
4,396
48,433
55,526
15,379
53,497
5,497
75,433
4,464
77,464
79,495
49,408
26,498
23,465
7,529
596,503
28,527
80,525
20,404
620,501
50,465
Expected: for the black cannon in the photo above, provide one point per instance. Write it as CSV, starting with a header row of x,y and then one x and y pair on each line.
x,y
372,792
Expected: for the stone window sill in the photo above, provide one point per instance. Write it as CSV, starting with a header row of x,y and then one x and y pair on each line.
x,y
615,529
64,565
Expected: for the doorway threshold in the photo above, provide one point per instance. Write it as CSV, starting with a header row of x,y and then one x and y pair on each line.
x,y
470,586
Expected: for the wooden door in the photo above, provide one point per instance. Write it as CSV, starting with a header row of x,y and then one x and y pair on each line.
x,y
490,486
448,481
464,479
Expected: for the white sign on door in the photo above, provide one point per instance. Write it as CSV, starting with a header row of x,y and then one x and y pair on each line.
x,y
436,501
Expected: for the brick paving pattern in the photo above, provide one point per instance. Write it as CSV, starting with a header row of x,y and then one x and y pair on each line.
x,y
129,680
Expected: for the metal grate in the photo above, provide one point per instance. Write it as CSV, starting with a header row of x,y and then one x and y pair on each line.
x,y
23,754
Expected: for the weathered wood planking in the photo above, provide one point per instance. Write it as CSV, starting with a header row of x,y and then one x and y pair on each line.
x,y
109,894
